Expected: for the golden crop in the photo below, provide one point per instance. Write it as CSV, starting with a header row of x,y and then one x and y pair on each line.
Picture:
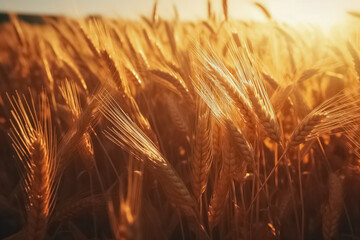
x,y
164,129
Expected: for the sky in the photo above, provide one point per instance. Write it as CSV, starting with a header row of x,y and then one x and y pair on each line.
x,y
322,12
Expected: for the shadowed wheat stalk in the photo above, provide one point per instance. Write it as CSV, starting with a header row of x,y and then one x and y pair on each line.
x,y
333,207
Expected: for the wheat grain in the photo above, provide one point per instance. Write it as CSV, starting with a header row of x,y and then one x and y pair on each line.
x,y
241,145
201,160
269,124
304,129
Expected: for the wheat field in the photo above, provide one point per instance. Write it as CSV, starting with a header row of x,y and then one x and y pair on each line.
x,y
169,129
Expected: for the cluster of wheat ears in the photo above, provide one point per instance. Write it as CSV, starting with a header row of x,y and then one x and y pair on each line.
x,y
164,129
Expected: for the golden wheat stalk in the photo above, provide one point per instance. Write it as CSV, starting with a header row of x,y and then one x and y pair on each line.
x,y
222,183
74,73
336,114
242,105
76,135
177,117
202,156
225,9
216,86
89,42
15,23
266,119
305,129
33,141
177,83
71,96
355,57
247,71
114,71
215,131
242,147
126,134
209,10
126,224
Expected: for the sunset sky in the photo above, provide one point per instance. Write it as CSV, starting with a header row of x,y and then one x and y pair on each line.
x,y
293,11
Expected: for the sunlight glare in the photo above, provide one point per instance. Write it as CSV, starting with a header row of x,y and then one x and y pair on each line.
x,y
322,13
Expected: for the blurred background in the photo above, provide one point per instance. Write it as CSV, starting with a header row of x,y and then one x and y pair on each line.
x,y
321,12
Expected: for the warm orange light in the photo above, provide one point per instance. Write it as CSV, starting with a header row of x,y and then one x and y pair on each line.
x,y
322,13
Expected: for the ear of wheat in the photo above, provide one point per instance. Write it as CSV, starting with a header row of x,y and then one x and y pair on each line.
x,y
337,114
125,133
32,138
201,156
70,94
249,77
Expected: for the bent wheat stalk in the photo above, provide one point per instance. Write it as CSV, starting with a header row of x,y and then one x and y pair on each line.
x,y
336,114
126,134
